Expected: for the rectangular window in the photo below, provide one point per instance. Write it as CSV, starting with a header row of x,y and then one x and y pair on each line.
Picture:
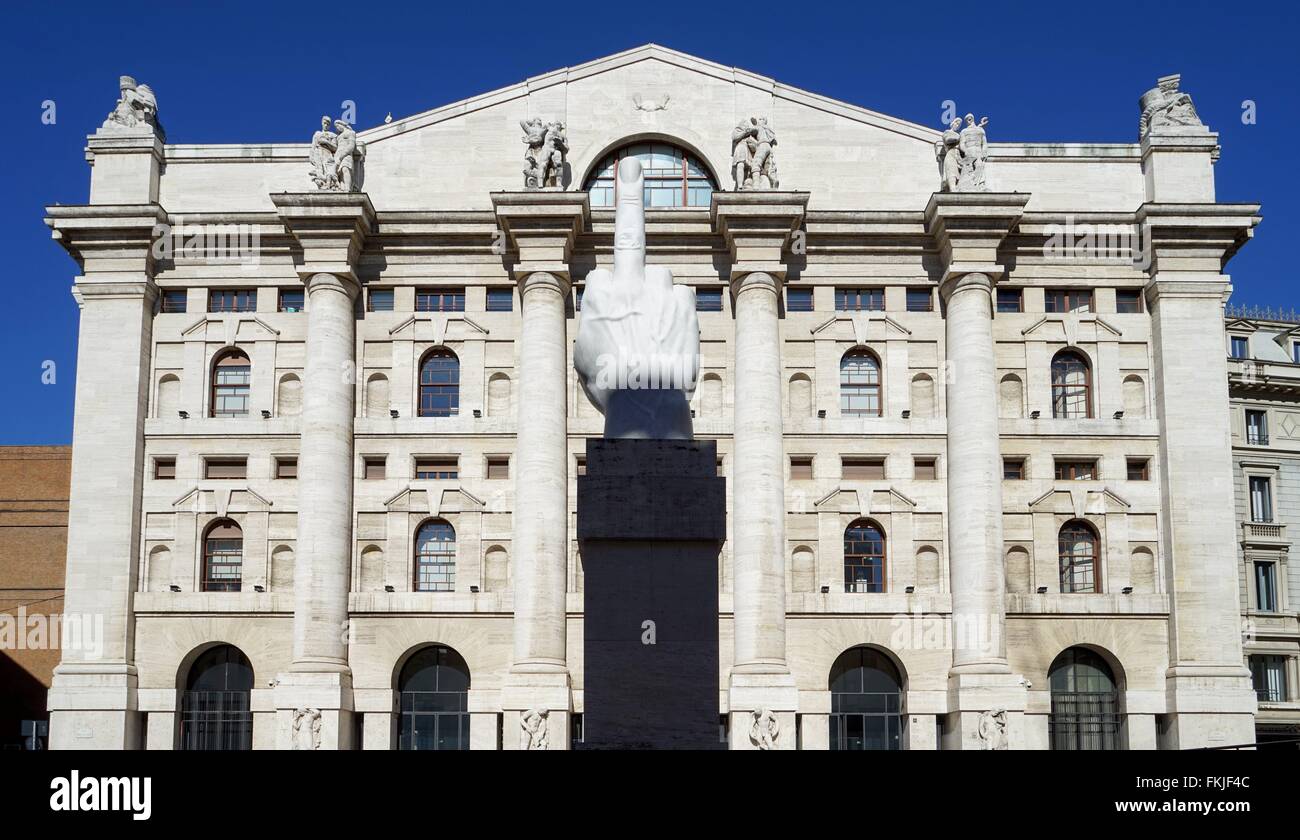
x,y
164,468
1268,674
498,467
173,300
1295,352
291,300
580,465
440,300
1067,300
862,469
1261,499
920,300
1128,300
923,469
801,468
1256,427
286,467
1240,347
1013,469
1076,470
708,300
1139,469
225,468
500,300
232,300
379,300
1011,300
798,300
577,299
858,300
1266,587
375,468
437,469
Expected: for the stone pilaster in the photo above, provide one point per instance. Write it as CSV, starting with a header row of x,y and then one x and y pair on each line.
x,y
92,701
1208,691
540,228
967,229
331,228
758,228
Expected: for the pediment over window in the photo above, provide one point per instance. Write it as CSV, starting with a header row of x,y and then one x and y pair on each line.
x,y
408,500
437,330
1079,502
865,503
222,501
231,329
1072,329
860,327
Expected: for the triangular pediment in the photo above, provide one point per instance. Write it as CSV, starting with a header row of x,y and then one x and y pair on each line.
x,y
438,329
860,327
231,329
1080,501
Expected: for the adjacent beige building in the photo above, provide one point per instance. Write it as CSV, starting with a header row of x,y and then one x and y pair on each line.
x,y
980,477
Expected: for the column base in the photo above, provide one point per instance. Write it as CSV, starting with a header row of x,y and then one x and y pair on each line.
x,y
971,699
1209,706
94,707
323,706
527,695
754,701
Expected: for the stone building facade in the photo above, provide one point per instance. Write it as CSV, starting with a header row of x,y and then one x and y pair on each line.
x,y
1264,386
979,477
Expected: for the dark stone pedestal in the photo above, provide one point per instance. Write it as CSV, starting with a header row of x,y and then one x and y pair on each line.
x,y
651,520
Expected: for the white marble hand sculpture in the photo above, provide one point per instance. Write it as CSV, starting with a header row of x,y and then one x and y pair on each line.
x,y
638,347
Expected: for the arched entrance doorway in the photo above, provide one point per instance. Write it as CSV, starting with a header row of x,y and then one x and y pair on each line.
x,y
866,702
433,691
216,713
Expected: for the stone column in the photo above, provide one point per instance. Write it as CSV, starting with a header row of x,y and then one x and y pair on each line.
x,y
967,229
758,227
92,701
331,228
540,228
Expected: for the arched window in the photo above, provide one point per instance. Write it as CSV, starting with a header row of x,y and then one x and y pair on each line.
x,y
434,697
864,557
1085,702
866,702
1077,549
216,713
435,557
673,177
440,384
1071,385
223,557
860,384
231,377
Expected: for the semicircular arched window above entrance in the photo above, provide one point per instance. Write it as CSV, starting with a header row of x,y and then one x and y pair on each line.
x,y
673,176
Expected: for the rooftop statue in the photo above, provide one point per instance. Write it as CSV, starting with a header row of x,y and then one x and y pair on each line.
x,y
1166,105
136,110
544,160
638,348
962,154
335,157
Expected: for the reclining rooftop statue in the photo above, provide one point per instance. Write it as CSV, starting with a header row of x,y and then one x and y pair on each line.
x,y
638,348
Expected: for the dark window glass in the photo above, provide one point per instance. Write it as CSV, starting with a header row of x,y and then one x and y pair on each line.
x,y
380,300
437,469
286,467
1139,469
923,469
232,300
1085,702
1071,386
859,384
1268,675
864,558
223,557
500,300
920,300
857,300
798,300
866,702
225,468
164,468
216,710
1077,547
1240,347
862,469
1128,300
1067,300
1078,470
173,300
1256,427
434,701
440,384
708,300
1013,469
1010,300
291,300
440,300
375,468
1266,587
1261,499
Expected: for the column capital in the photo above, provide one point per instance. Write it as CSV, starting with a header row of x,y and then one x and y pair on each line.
x,y
544,280
958,282
541,227
766,280
968,228
757,226
337,282
113,244
331,227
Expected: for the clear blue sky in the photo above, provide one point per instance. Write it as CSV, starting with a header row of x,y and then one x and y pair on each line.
x,y
246,72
